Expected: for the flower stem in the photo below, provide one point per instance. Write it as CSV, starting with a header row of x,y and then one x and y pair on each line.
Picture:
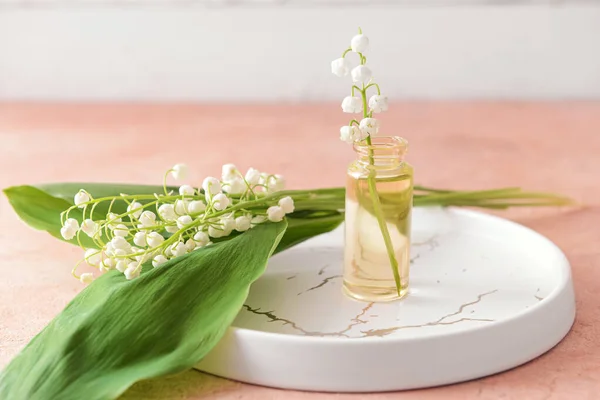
x,y
372,183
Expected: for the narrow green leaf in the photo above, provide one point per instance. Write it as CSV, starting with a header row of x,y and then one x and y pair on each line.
x,y
117,332
305,225
40,207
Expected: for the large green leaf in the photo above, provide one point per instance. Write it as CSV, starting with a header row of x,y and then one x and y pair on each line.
x,y
117,332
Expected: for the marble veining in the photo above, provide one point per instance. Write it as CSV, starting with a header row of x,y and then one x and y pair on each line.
x,y
459,280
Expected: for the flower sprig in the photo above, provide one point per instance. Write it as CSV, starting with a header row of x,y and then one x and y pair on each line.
x,y
160,227
368,126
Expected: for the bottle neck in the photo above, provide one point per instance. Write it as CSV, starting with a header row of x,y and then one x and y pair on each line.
x,y
384,152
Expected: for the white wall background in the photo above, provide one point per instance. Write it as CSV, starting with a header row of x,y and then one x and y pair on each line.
x,y
269,50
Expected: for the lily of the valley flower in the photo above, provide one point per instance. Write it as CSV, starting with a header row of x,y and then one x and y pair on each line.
x,y
361,74
352,104
81,197
340,67
351,134
69,228
359,43
275,213
378,103
369,126
179,171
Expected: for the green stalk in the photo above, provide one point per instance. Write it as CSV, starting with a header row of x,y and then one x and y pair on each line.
x,y
371,181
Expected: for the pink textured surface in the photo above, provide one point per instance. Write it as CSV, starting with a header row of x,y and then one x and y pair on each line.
x,y
538,146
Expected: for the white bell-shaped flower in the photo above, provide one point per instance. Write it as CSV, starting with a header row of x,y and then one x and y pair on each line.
x,y
378,103
369,126
139,239
81,197
361,74
350,134
186,190
69,229
211,186
167,212
340,67
135,209
86,278
159,260
89,227
93,257
220,202
179,171
229,172
359,43
196,206
286,204
148,218
275,213
252,176
352,104
154,239
235,186
132,270
242,223
201,238
184,221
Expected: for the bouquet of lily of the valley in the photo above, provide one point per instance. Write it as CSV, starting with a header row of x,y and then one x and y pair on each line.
x,y
167,269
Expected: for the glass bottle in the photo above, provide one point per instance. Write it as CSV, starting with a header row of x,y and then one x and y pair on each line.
x,y
379,195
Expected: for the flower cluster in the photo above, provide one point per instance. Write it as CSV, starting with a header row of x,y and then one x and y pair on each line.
x,y
159,227
368,126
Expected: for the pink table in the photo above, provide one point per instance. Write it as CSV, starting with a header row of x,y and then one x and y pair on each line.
x,y
539,146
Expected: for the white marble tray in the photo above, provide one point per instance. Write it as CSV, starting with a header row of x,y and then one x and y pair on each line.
x,y
486,295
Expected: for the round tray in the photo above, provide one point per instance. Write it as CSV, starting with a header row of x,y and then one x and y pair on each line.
x,y
486,295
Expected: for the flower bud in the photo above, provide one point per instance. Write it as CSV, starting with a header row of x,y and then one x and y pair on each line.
x,y
196,206
154,239
211,186
186,190
159,260
167,212
86,278
148,218
228,172
93,257
132,271
139,239
179,171
201,238
252,176
81,197
287,204
121,230
89,227
275,213
184,221
220,202
242,223
135,206
359,43
235,186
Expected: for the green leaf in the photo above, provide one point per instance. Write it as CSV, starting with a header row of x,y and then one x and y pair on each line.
x,y
42,211
305,225
40,207
117,332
